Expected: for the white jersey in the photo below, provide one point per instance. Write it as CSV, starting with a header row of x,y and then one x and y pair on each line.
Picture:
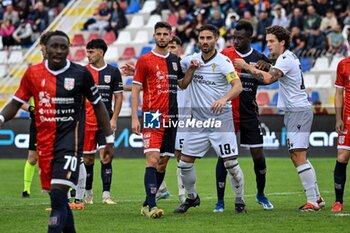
x,y
209,84
292,95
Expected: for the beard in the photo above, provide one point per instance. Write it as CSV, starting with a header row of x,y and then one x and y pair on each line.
x,y
162,46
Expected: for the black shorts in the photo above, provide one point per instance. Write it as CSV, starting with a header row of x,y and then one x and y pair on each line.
x,y
65,169
32,135
168,142
251,133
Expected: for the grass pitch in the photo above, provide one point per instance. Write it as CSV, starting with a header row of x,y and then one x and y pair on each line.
x,y
283,189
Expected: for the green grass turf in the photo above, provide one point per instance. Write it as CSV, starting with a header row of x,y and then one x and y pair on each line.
x,y
283,189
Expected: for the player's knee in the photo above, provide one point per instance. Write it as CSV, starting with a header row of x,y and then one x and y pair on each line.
x,y
257,154
163,161
231,163
184,166
89,159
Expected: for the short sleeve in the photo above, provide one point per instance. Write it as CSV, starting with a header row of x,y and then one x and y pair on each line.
x,y
23,92
90,90
140,71
185,63
283,64
339,82
118,82
180,73
228,70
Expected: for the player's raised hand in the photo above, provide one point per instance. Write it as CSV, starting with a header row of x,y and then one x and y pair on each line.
x,y
218,105
194,64
135,126
263,65
239,63
339,126
128,70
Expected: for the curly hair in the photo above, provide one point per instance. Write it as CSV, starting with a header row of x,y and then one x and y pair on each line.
x,y
281,34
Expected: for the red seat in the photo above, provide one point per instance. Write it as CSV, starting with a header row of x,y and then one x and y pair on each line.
x,y
172,20
266,110
79,55
93,36
128,53
109,38
262,98
78,40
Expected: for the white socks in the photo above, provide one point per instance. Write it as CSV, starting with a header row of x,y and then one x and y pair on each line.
x,y
318,195
236,178
188,175
180,184
308,180
80,190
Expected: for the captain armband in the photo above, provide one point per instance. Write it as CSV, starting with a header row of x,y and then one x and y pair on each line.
x,y
232,76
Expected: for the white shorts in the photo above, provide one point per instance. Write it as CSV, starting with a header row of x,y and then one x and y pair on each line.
x,y
223,141
298,126
180,137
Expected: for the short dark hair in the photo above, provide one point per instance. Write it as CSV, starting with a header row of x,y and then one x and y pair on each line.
x,y
97,44
209,27
162,24
56,33
176,39
44,37
246,25
281,34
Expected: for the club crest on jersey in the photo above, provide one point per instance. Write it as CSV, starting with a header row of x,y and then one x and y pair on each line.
x,y
107,78
341,139
174,66
213,67
69,83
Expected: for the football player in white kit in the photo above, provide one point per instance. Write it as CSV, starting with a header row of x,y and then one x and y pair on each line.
x,y
293,100
215,82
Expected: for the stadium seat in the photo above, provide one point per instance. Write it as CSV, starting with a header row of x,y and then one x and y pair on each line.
x,y
266,110
274,100
109,38
306,63
321,64
133,7
128,53
324,81
334,63
172,20
257,46
148,6
271,86
16,56
123,38
93,36
314,96
79,55
266,51
112,54
78,40
137,21
3,71
153,20
262,98
128,81
141,37
309,80
145,50
3,57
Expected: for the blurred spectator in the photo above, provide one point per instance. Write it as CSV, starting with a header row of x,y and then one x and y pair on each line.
x,y
23,34
244,6
297,19
118,20
335,41
316,43
214,6
346,20
6,32
302,5
218,21
339,7
196,24
198,8
11,14
280,19
321,7
311,20
176,5
318,109
225,5
328,22
264,22
100,20
248,16
183,23
298,42
233,22
41,17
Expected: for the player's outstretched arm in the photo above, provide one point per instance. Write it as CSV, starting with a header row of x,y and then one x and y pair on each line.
x,y
9,111
262,76
135,123
183,83
338,104
103,120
